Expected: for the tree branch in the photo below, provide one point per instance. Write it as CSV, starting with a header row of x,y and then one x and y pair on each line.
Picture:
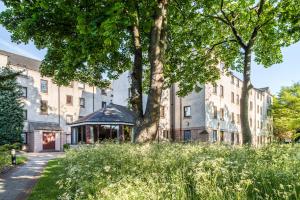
x,y
233,29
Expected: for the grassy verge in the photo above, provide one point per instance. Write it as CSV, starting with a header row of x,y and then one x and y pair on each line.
x,y
172,171
5,160
46,187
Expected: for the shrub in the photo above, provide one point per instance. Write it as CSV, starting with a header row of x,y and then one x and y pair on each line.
x,y
178,171
66,146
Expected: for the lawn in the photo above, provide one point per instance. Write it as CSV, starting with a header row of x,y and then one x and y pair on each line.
x,y
46,187
173,171
5,159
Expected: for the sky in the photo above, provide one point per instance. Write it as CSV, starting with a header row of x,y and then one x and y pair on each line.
x,y
283,74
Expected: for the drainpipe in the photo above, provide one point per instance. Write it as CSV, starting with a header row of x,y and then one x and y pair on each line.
x,y
172,112
58,105
180,113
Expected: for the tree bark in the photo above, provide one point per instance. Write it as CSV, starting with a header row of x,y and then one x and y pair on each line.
x,y
244,109
148,129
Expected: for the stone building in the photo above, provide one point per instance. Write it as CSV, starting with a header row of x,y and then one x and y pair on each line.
x,y
211,115
49,108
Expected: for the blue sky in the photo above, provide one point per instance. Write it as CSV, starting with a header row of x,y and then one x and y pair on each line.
x,y
275,77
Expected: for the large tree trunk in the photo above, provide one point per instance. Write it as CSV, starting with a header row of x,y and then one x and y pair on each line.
x,y
147,130
136,99
244,109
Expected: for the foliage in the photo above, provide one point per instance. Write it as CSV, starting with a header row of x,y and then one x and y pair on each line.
x,y
66,146
88,38
286,111
233,31
177,171
11,111
46,187
5,157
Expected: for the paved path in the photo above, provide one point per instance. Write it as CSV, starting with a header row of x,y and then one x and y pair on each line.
x,y
17,184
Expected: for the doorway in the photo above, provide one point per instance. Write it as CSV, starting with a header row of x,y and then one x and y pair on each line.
x,y
48,141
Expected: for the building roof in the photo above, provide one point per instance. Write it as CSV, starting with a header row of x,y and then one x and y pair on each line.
x,y
18,60
111,114
44,126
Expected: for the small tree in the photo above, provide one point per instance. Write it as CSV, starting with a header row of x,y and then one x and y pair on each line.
x,y
11,109
286,111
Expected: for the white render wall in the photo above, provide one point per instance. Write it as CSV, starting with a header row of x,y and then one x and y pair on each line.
x,y
202,109
58,109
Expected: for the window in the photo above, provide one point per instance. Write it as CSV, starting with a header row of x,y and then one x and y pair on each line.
x,y
24,137
232,117
103,92
257,109
81,85
187,135
103,104
260,110
221,136
261,124
250,122
232,138
215,112
257,124
238,117
24,92
44,86
237,99
257,95
251,105
162,111
165,134
221,91
269,100
69,100
232,97
222,113
214,136
44,107
187,111
232,79
238,83
69,119
25,114
215,88
82,102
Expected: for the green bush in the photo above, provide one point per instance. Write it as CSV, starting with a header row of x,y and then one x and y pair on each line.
x,y
178,171
66,146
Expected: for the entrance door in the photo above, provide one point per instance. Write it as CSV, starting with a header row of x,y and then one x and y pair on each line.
x,y
48,141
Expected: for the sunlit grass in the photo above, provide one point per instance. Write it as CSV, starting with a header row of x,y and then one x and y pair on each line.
x,y
46,187
173,171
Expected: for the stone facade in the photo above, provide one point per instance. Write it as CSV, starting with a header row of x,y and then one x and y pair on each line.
x,y
61,105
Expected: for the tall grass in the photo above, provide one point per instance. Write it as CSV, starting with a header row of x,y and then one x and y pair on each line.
x,y
177,171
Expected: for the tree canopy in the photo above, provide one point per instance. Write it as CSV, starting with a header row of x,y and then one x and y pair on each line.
x,y
286,111
234,31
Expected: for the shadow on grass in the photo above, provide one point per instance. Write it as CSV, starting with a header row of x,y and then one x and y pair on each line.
x,y
46,187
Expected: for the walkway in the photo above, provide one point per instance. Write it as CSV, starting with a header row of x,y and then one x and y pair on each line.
x,y
17,184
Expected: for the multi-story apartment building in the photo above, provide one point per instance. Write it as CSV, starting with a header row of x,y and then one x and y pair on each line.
x,y
211,115
48,107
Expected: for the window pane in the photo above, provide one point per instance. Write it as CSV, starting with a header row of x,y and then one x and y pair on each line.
x,y
44,86
187,111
